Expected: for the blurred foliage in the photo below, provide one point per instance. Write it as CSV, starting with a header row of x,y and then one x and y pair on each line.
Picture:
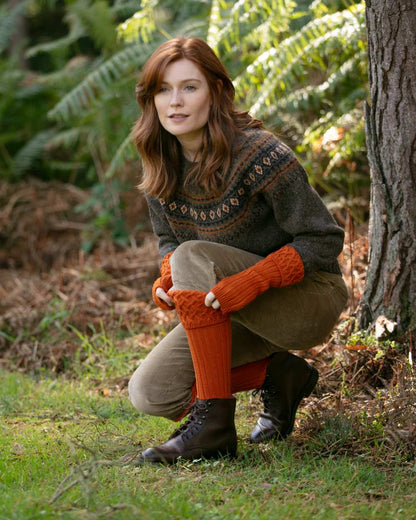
x,y
68,71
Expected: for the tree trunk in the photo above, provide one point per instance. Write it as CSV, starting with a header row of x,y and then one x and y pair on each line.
x,y
391,138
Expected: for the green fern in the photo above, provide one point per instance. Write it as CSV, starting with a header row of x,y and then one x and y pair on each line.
x,y
245,17
277,68
76,31
126,152
79,100
97,18
67,139
124,8
33,150
142,25
214,24
9,18
70,76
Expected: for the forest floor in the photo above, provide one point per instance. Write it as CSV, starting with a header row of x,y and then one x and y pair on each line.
x,y
73,326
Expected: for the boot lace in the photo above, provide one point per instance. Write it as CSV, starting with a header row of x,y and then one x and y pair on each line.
x,y
196,418
268,394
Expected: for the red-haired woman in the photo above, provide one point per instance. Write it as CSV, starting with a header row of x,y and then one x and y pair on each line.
x,y
249,259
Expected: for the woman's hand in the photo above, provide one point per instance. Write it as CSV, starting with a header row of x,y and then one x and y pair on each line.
x,y
160,293
211,301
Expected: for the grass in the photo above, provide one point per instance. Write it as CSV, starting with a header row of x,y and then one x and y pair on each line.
x,y
68,452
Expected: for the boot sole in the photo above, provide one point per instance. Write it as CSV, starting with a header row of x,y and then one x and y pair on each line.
x,y
221,454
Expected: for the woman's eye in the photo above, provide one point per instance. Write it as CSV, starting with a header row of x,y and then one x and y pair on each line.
x,y
190,88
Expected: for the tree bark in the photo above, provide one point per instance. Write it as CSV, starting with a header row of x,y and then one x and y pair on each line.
x,y
391,138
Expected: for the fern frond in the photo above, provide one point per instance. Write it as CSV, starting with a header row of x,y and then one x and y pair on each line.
x,y
73,72
125,152
311,95
67,139
124,8
245,17
214,24
8,22
78,100
31,151
98,21
141,26
76,31
277,70
278,59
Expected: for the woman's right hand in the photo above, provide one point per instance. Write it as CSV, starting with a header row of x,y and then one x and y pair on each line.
x,y
160,293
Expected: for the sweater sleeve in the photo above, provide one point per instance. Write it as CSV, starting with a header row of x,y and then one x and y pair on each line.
x,y
303,216
167,239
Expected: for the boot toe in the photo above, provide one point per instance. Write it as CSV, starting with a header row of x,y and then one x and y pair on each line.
x,y
151,455
265,430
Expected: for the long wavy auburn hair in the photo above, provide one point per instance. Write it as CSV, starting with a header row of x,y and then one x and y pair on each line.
x,y
160,151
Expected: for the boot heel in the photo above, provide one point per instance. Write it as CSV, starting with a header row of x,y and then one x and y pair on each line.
x,y
311,383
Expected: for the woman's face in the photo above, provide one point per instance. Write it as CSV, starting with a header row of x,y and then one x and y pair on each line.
x,y
183,103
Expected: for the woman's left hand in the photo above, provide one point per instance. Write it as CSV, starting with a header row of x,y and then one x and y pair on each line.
x,y
211,301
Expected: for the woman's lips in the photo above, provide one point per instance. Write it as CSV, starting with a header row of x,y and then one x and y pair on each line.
x,y
178,117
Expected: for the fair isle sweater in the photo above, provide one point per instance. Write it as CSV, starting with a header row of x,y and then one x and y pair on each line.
x,y
267,203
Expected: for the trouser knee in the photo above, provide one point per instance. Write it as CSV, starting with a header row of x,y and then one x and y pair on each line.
x,y
147,401
192,266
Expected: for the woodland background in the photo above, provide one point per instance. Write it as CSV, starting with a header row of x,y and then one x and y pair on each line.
x,y
77,256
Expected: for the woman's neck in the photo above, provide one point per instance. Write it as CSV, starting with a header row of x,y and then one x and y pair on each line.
x,y
191,150
191,156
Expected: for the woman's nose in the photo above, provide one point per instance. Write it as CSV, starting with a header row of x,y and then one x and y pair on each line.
x,y
176,98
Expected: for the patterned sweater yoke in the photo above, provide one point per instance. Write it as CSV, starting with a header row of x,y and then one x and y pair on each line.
x,y
267,203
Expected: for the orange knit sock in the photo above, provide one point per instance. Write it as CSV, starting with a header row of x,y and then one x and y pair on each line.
x,y
249,376
209,335
243,378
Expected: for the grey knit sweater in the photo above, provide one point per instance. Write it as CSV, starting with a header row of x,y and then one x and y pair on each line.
x,y
267,203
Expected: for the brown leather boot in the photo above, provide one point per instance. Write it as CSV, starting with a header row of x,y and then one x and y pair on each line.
x,y
209,432
288,380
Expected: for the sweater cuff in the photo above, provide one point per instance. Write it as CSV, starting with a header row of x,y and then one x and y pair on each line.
x,y
165,265
165,283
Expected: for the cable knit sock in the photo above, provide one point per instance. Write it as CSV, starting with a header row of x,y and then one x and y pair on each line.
x,y
209,335
243,378
279,269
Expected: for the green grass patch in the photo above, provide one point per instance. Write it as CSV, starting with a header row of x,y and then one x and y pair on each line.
x,y
68,452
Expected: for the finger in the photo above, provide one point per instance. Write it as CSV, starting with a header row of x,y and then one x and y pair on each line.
x,y
209,298
160,293
211,301
216,304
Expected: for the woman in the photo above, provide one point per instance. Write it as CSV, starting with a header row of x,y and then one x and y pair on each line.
x,y
249,259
